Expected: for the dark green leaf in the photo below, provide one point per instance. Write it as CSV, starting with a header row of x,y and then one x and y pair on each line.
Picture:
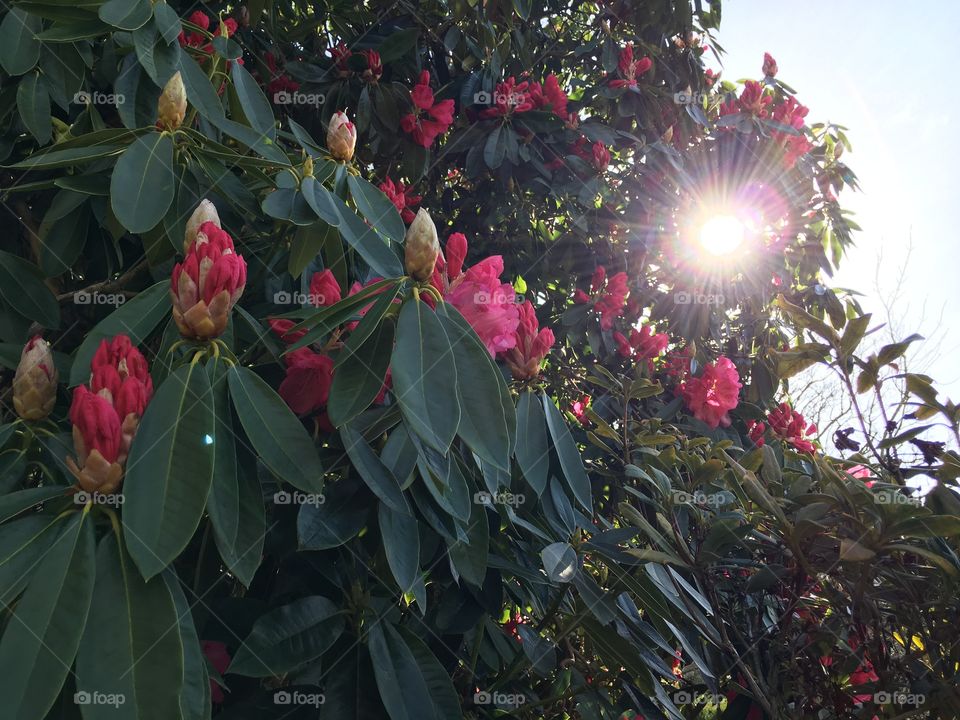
x,y
401,543
568,453
533,452
377,477
403,688
141,188
377,208
126,14
19,46
22,286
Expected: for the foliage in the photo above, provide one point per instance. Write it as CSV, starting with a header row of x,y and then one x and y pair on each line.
x,y
299,447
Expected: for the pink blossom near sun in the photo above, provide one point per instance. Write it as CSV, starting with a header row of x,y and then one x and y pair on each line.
x,y
478,293
533,344
791,426
711,396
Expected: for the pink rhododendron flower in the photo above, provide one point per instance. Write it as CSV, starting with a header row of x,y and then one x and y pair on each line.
x,y
218,656
324,289
754,100
601,156
306,386
578,408
341,59
630,69
614,298
769,65
402,199
374,66
532,345
644,344
486,302
712,395
755,431
792,114
791,426
510,97
428,119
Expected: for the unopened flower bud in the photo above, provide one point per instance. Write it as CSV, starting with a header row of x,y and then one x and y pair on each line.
x,y
205,212
769,65
172,105
837,150
667,137
308,167
421,246
35,383
341,137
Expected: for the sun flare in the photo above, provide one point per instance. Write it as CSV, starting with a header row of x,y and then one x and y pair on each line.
x,y
722,234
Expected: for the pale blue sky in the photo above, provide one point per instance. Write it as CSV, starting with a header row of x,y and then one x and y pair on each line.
x,y
898,106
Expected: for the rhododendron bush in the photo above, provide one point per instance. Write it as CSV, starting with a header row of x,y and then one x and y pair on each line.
x,y
381,361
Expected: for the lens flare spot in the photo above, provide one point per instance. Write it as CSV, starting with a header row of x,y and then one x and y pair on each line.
x,y
722,234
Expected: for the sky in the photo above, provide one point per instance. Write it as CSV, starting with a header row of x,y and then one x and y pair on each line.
x,y
897,106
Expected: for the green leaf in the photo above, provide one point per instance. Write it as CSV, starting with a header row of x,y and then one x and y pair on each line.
x,y
126,14
425,376
169,470
470,557
495,147
926,527
368,244
255,105
358,381
41,638
195,695
398,44
235,503
320,200
33,103
533,452
22,287
141,188
403,688
377,477
19,46
17,502
560,561
274,431
400,537
287,637
200,92
377,208
307,243
568,454
491,425
23,544
442,692
128,649
137,318
290,205
54,158
331,523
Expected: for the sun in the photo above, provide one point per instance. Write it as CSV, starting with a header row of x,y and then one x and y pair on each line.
x,y
722,234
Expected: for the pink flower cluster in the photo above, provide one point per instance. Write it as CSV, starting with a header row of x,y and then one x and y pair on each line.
x,y
279,82
478,293
714,393
630,69
309,374
512,97
401,197
532,345
643,344
199,40
429,118
609,295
